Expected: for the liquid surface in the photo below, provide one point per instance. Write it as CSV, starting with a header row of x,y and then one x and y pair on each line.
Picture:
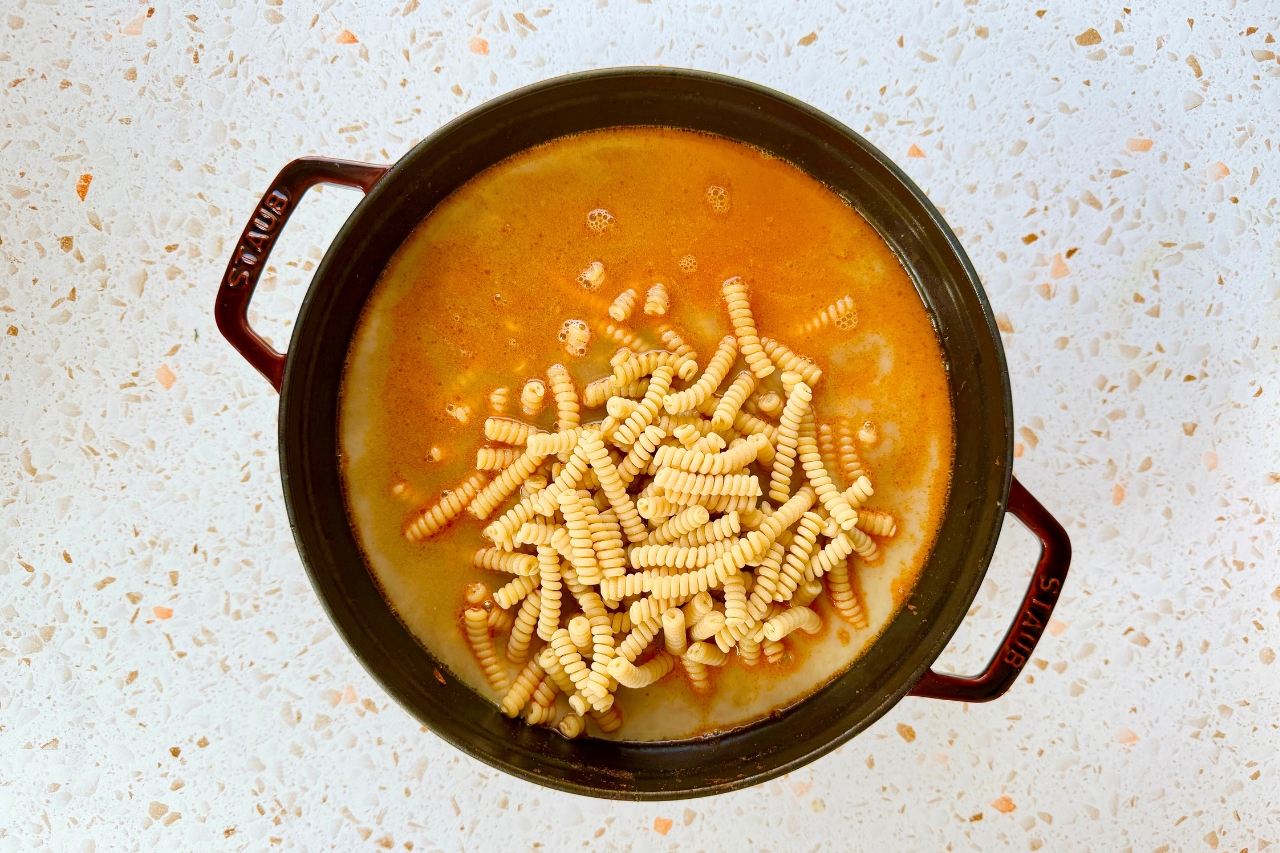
x,y
476,298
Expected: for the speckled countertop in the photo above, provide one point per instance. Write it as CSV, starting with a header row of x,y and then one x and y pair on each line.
x,y
167,678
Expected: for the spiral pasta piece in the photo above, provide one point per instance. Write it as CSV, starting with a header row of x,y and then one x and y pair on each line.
x,y
430,521
566,397
698,462
642,633
508,430
792,619
497,560
749,652
827,448
843,314
582,549
547,443
654,507
642,450
580,633
833,501
635,677
673,631
709,443
597,392
735,599
630,429
805,595
865,547
788,438
673,481
687,435
571,726
683,522
621,407
774,650
656,301
533,396
546,501
769,403
744,327
706,654
676,556
514,592
833,553
611,483
555,672
622,305
708,626
534,533
725,527
748,424
845,597
522,689
476,623
550,582
521,636
673,342
499,620
669,423
609,721
497,491
734,396
570,660
644,364
606,537
859,493
498,399
496,458
708,382
699,679
785,359
796,563
851,467
541,710
877,522
620,335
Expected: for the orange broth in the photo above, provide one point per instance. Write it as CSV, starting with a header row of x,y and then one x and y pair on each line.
x,y
475,299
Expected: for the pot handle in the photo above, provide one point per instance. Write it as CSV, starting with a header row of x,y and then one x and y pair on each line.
x,y
255,244
1037,605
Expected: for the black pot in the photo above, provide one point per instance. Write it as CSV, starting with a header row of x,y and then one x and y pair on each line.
x,y
398,198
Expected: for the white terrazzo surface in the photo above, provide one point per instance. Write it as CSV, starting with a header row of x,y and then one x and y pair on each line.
x,y
168,680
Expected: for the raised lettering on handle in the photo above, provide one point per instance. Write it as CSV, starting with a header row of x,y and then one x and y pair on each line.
x,y
255,244
1037,606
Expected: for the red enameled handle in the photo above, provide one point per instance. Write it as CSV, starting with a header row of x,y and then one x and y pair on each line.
x,y
1015,650
232,308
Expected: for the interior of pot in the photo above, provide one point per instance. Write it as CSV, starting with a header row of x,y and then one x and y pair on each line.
x,y
823,148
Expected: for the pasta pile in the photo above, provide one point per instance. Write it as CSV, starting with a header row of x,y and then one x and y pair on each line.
x,y
676,527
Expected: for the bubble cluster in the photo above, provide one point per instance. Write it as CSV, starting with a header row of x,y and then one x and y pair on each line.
x,y
689,264
592,277
599,219
718,198
574,334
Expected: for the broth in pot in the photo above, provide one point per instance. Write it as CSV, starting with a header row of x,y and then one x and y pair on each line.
x,y
528,266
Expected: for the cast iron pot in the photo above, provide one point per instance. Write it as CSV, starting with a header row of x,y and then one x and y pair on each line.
x,y
398,197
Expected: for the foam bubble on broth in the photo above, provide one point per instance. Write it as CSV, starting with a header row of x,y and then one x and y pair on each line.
x,y
800,246
599,219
